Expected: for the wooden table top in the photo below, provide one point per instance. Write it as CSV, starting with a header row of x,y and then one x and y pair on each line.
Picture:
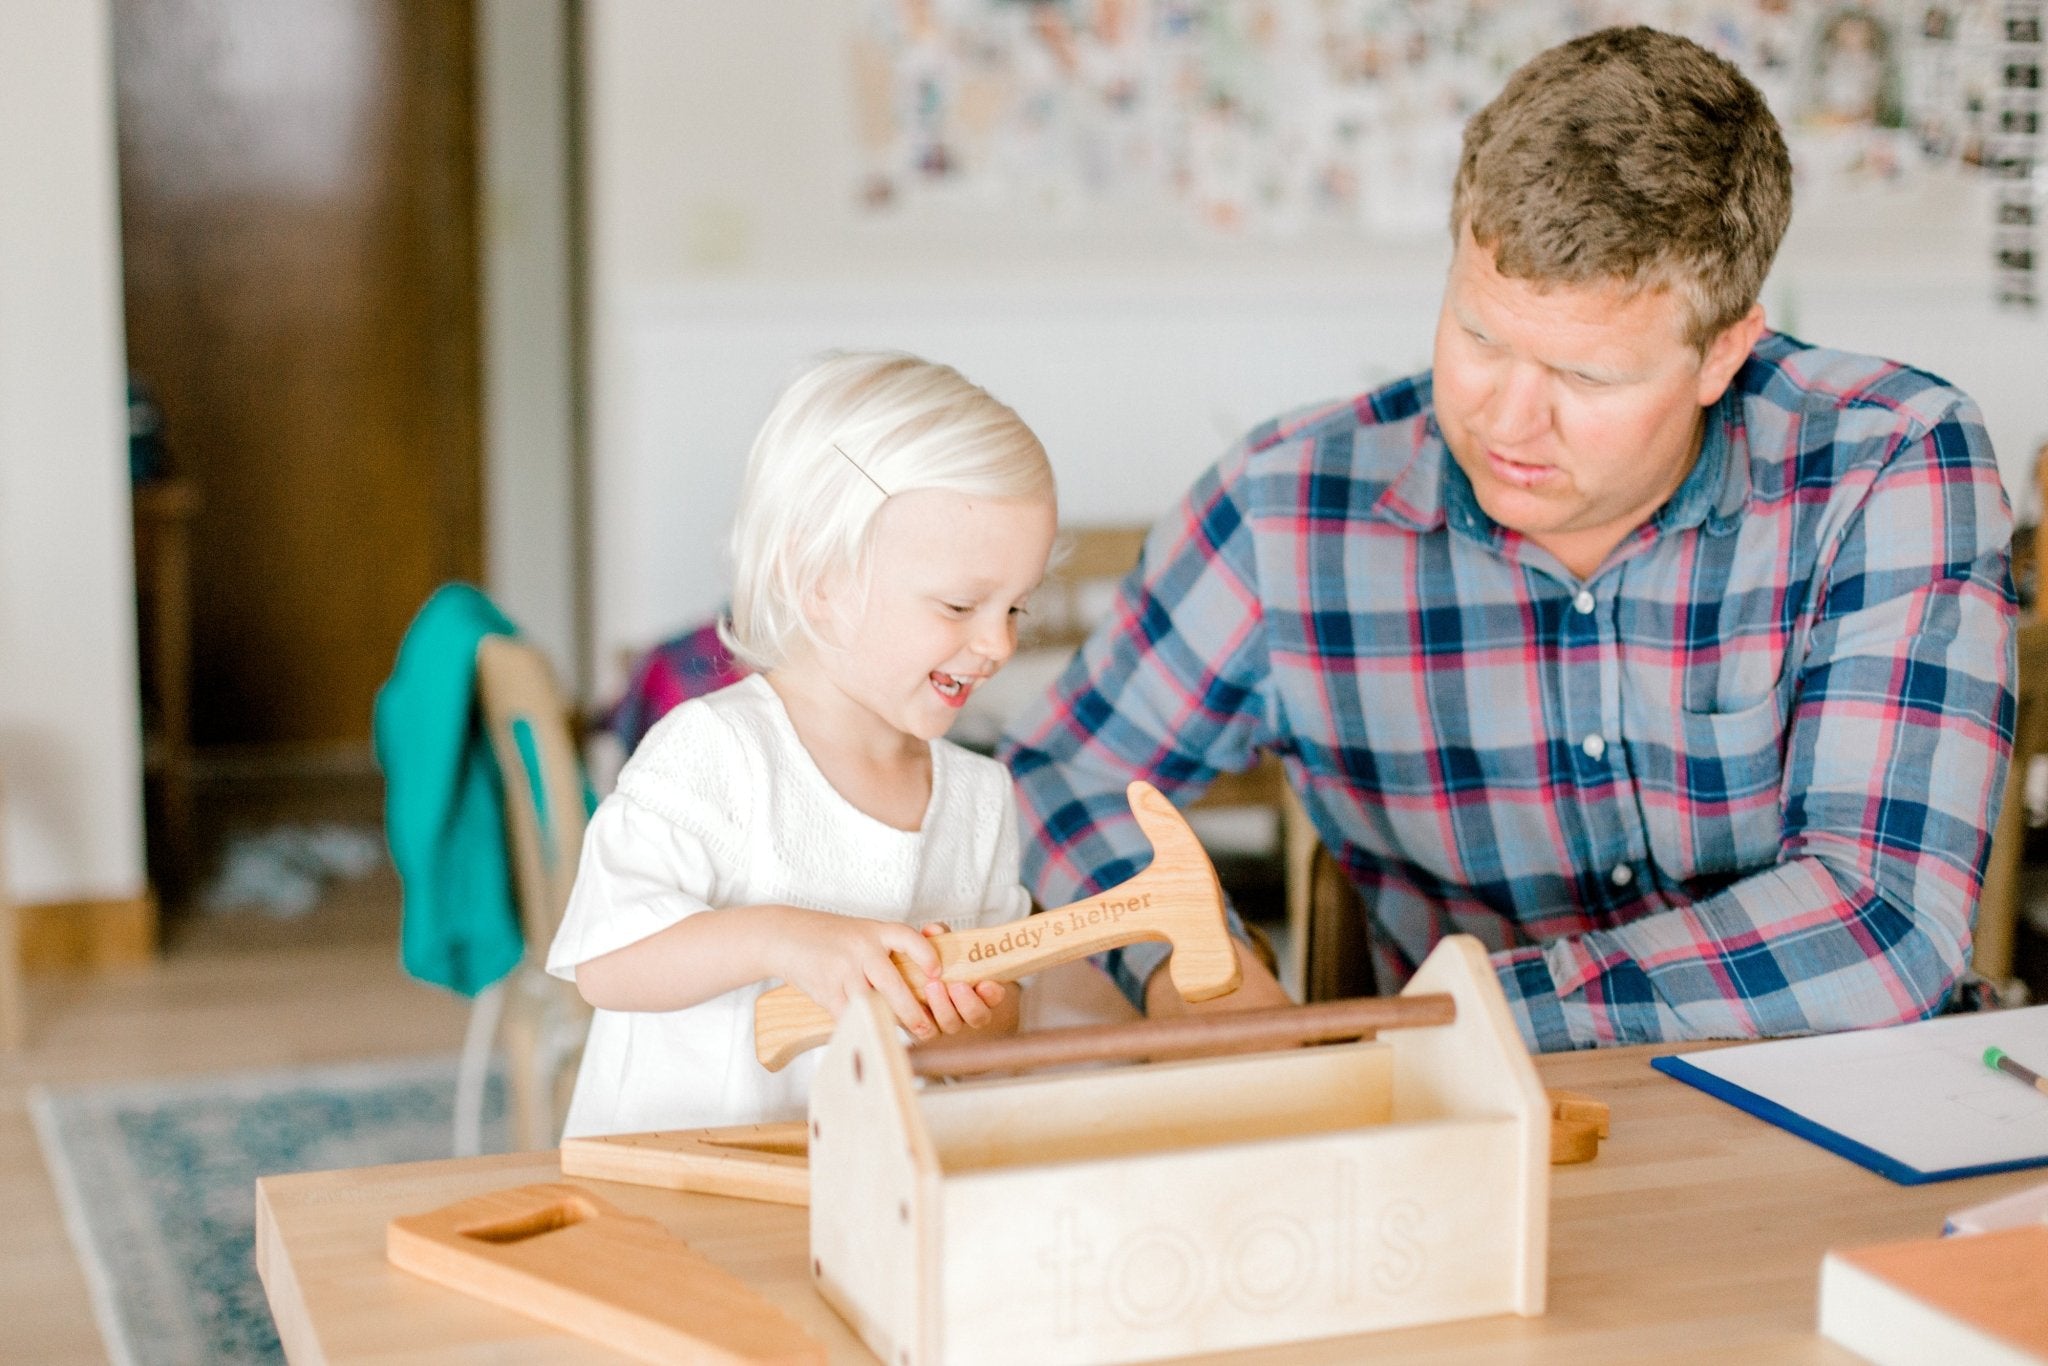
x,y
1696,1234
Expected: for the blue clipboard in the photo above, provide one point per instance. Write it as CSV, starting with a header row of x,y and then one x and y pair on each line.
x,y
1793,1122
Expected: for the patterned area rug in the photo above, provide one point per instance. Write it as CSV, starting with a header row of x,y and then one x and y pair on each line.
x,y
158,1182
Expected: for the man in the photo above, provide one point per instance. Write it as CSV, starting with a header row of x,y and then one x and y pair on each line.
x,y
1669,656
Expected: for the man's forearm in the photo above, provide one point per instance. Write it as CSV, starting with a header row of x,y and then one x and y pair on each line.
x,y
1789,950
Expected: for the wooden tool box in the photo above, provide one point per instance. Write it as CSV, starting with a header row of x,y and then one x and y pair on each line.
x,y
1176,1208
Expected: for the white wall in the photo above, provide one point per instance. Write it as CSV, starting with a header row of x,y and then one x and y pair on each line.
x,y
724,248
1905,273
528,413
69,746
1134,387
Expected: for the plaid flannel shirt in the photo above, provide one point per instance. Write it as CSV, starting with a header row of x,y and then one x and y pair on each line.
x,y
1740,782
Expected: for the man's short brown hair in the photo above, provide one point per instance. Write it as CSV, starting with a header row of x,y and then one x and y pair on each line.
x,y
1636,156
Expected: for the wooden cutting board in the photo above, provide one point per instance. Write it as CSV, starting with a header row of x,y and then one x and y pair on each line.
x,y
562,1255
752,1161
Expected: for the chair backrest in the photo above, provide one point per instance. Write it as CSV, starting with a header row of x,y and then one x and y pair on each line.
x,y
1337,959
1998,907
1079,587
13,1029
529,725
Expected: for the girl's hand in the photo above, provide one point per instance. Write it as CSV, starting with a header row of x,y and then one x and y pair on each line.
x,y
958,1006
831,957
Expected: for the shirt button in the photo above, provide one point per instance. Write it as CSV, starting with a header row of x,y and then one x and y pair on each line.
x,y
1594,746
1584,602
1622,875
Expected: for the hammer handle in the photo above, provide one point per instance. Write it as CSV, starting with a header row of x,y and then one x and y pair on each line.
x,y
1018,948
1176,899
1183,1036
787,1022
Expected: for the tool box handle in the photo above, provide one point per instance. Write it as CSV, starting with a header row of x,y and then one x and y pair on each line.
x,y
1183,1036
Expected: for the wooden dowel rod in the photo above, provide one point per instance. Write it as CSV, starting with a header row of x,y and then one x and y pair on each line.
x,y
1184,1036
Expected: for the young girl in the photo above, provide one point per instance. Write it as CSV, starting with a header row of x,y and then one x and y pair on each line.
x,y
802,824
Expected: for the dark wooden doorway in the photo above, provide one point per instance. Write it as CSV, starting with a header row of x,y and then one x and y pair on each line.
x,y
299,227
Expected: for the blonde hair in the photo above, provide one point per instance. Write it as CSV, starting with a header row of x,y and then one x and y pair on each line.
x,y
849,431
1635,156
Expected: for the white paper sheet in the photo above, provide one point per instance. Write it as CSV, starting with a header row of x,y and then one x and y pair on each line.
x,y
1918,1093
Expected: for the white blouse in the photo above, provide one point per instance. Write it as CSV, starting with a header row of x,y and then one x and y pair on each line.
x,y
721,805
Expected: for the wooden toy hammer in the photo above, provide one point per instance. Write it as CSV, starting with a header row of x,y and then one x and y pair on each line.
x,y
1177,899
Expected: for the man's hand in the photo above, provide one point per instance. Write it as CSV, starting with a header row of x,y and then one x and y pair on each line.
x,y
1258,990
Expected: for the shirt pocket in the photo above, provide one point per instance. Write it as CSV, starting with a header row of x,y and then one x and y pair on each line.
x,y
1707,785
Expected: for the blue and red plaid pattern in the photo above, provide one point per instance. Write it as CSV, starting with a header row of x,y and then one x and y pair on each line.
x,y
1738,783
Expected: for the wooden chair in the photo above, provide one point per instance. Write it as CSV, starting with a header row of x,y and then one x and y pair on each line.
x,y
538,1020
1998,908
13,1012
1336,938
1078,587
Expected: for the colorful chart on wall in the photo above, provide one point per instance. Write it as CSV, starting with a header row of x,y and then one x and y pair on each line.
x,y
1272,117
2014,155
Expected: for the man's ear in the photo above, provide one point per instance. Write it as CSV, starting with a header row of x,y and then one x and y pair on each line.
x,y
1726,353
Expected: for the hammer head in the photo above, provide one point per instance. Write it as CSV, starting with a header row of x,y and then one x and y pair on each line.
x,y
1182,883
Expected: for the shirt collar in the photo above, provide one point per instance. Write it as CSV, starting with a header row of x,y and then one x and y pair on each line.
x,y
1433,490
1417,496
1714,491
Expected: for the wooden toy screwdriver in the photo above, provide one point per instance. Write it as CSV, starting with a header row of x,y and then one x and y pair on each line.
x,y
1995,1059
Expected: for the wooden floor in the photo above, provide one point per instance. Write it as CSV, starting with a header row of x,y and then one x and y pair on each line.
x,y
231,991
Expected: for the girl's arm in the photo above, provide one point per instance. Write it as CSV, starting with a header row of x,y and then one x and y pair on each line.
x,y
827,957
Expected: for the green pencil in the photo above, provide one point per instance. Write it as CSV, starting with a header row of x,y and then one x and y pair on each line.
x,y
1995,1059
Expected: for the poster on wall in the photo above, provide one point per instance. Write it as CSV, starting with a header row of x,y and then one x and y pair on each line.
x,y
1274,117
2016,155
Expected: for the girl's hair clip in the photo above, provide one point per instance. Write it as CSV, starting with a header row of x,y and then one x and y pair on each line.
x,y
863,470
